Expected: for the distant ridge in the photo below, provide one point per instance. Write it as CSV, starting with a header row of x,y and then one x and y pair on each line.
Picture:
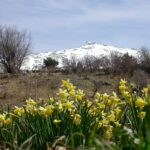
x,y
35,61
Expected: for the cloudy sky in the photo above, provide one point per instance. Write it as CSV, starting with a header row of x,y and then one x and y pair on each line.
x,y
59,24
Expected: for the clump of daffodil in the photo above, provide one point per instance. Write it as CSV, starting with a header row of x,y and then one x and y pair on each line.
x,y
56,121
111,117
105,122
41,111
18,111
4,120
97,96
67,85
125,92
140,102
122,86
99,123
122,82
118,112
49,109
68,105
105,112
7,121
115,99
59,106
100,105
31,109
142,115
117,124
126,95
79,95
102,122
105,96
89,103
108,132
31,102
111,100
51,100
2,117
46,110
63,94
91,111
77,119
145,91
31,106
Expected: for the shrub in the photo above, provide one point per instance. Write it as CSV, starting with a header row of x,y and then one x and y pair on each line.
x,y
144,59
123,64
70,65
86,64
115,64
128,64
50,62
140,78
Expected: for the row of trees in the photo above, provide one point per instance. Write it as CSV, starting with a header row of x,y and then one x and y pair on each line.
x,y
113,64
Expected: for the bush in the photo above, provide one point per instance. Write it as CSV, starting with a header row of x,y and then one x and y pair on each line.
x,y
115,64
140,78
70,65
144,58
50,62
86,64
123,64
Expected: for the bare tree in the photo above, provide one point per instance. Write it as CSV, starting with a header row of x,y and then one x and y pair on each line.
x,y
123,64
115,59
70,65
14,46
88,62
144,58
105,64
128,64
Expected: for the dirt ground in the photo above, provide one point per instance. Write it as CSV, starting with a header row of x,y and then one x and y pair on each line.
x,y
15,89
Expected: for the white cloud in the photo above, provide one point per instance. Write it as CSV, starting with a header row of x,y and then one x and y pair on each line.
x,y
70,13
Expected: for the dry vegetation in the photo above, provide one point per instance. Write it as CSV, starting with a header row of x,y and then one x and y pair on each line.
x,y
15,89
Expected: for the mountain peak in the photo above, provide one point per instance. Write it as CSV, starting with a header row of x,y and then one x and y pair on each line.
x,y
35,61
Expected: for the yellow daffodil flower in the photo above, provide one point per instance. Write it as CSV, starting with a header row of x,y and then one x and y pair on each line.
x,y
7,121
77,119
31,102
140,102
142,115
55,121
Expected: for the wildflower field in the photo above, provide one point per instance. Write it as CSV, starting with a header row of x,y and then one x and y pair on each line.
x,y
118,121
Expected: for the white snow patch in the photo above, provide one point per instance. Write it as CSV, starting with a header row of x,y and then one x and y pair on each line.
x,y
35,61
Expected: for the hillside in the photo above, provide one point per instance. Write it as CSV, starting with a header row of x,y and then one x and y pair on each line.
x,y
35,61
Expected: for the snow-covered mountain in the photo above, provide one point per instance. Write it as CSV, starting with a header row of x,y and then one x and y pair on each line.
x,y
35,61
